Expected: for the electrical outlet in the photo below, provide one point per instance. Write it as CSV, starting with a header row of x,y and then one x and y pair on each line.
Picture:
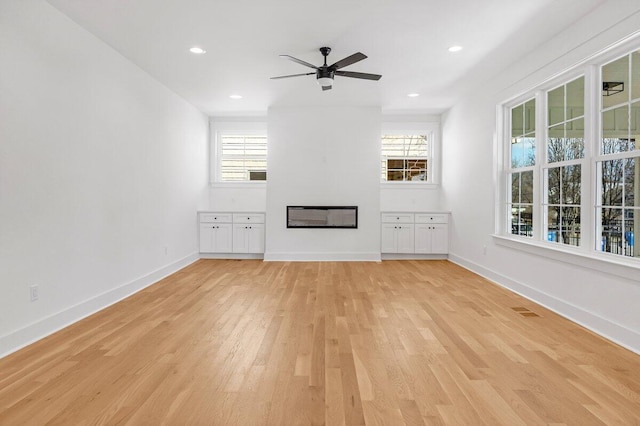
x,y
166,250
484,250
33,293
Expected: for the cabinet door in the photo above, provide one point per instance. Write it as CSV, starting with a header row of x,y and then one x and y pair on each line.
x,y
440,238
405,238
240,238
206,237
423,236
255,238
388,238
222,238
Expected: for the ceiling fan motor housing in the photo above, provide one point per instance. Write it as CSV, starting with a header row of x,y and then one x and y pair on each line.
x,y
325,72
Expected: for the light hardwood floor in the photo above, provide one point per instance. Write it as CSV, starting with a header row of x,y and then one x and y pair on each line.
x,y
251,342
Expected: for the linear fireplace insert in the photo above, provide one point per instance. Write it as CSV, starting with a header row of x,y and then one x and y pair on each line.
x,y
322,217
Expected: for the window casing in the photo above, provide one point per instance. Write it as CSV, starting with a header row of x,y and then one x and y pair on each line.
x,y
522,152
575,182
239,153
564,146
242,157
618,160
409,153
405,158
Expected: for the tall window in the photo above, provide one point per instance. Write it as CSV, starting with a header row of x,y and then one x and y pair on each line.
x,y
583,189
565,153
406,157
242,157
523,159
618,165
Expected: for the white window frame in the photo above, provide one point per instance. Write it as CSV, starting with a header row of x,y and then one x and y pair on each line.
x,y
432,131
508,169
587,254
585,171
232,127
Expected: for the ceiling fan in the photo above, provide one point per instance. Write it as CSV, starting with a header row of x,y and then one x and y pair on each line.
x,y
325,73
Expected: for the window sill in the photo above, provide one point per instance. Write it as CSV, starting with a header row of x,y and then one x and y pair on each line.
x,y
240,184
407,185
612,264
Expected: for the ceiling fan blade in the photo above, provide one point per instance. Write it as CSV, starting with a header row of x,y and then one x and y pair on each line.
x,y
300,61
292,75
359,75
356,57
326,88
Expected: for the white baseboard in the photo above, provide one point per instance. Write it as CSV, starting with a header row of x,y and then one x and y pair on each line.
x,y
49,325
619,334
322,257
411,256
231,255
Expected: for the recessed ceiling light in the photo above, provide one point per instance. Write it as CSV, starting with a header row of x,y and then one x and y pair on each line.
x,y
235,96
197,50
455,48
413,95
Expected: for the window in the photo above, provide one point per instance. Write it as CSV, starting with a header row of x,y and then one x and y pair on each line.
x,y
565,153
618,162
523,158
239,152
409,153
405,158
243,157
570,160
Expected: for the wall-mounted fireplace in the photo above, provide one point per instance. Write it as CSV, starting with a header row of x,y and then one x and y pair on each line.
x,y
322,217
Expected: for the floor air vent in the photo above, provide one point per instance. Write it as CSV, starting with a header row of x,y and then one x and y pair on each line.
x,y
525,312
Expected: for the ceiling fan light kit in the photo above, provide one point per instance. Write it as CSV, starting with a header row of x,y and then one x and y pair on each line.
x,y
326,73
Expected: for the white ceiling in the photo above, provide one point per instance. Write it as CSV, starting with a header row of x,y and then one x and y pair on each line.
x,y
406,41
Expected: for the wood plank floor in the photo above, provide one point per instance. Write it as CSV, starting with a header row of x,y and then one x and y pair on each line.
x,y
251,343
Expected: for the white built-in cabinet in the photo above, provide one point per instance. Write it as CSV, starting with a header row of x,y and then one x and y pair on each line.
x,y
414,233
228,232
397,233
432,233
216,233
248,233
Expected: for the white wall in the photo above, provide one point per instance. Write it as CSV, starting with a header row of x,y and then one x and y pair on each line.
x,y
403,198
323,156
101,170
603,302
239,197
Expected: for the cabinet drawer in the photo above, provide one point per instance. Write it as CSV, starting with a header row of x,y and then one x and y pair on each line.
x,y
397,217
431,218
248,218
215,217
